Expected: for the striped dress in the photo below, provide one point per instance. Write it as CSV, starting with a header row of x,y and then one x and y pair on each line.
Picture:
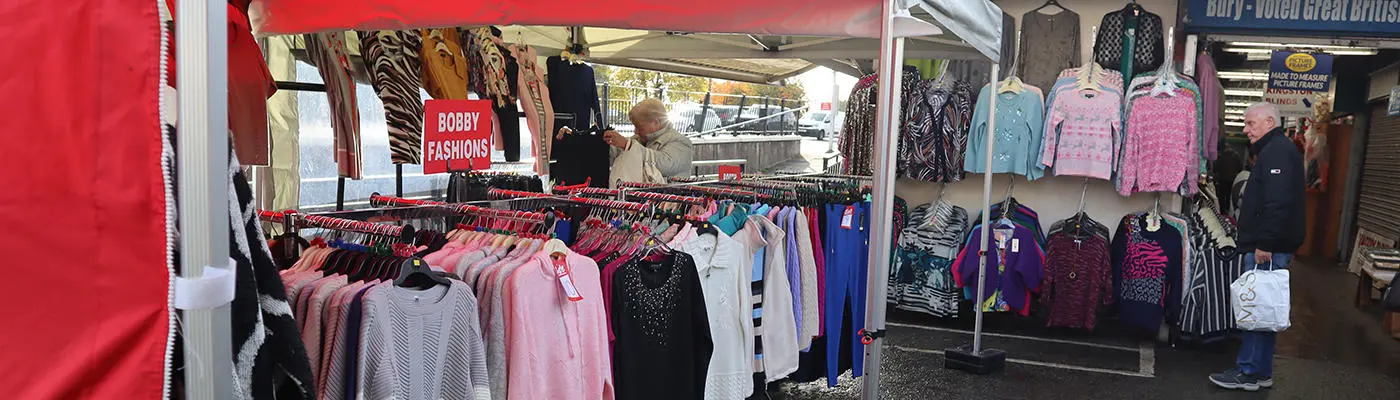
x,y
393,60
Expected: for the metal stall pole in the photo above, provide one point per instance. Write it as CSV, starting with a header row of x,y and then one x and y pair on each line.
x,y
202,75
978,360
882,199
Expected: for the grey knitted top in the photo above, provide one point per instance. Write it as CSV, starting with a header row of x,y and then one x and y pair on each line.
x,y
422,344
1049,44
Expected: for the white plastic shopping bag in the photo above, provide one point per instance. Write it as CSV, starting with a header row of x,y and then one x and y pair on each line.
x,y
1260,300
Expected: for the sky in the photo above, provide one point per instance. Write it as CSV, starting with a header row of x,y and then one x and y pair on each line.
x,y
817,83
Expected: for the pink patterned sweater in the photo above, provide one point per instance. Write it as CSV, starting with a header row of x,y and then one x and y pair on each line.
x,y
1161,144
1082,132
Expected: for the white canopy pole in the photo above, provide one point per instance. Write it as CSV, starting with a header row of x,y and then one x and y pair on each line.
x,y
882,195
202,79
986,209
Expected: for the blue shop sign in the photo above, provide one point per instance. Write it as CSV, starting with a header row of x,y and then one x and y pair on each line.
x,y
1294,70
1369,18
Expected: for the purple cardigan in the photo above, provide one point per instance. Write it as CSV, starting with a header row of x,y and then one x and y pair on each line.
x,y
1022,272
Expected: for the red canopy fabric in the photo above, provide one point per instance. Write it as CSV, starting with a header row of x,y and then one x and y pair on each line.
x,y
844,18
83,203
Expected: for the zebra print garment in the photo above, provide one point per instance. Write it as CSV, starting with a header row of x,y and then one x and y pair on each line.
x,y
393,60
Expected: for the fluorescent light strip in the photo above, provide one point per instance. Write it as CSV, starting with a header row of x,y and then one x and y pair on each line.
x,y
1232,123
1237,104
1247,50
1334,50
1242,92
1292,45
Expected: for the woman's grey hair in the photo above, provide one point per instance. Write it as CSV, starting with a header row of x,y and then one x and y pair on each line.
x,y
1265,109
650,110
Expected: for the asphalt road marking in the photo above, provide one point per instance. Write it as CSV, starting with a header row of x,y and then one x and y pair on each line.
x,y
1003,335
1038,363
1147,353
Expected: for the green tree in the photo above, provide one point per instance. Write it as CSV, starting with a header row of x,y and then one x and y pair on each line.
x,y
632,84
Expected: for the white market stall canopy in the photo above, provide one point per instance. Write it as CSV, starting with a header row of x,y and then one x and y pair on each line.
x,y
742,40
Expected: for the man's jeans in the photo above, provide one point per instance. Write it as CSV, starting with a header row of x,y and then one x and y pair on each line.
x,y
1257,348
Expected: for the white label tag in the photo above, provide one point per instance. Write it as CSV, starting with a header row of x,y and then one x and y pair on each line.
x,y
1015,245
1276,171
847,216
566,281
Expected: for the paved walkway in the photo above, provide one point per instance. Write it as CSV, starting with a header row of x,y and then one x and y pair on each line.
x,y
1333,351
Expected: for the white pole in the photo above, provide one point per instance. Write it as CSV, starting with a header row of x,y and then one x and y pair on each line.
x,y
202,79
986,209
882,195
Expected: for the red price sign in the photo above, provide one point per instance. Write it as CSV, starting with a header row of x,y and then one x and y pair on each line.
x,y
730,172
826,106
456,131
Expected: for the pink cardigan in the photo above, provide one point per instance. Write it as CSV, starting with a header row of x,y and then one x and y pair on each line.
x,y
558,349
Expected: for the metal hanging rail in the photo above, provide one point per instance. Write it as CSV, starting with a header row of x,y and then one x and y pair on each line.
x,y
652,196
379,200
614,204
402,232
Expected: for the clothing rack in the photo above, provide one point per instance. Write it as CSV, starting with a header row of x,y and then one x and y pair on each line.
x,y
694,186
618,194
377,200
614,204
403,233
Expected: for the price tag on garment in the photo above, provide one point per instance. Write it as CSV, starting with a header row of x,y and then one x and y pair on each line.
x,y
566,281
1015,245
456,135
1154,223
847,216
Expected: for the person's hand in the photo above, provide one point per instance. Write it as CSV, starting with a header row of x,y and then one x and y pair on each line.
x,y
615,139
1263,257
563,130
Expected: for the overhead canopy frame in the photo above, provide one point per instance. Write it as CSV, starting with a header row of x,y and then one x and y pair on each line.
x,y
758,42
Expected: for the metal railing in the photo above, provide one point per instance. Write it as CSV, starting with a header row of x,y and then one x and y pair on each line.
x,y
762,129
706,112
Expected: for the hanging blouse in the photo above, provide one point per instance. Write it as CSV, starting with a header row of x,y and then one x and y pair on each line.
x,y
392,58
539,113
1019,118
1129,41
328,53
1161,147
857,138
494,68
444,64
663,343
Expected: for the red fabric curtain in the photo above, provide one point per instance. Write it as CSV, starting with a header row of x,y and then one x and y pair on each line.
x,y
846,18
83,297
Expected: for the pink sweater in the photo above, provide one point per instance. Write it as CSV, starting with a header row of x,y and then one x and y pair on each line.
x,y
1161,144
558,349
1081,134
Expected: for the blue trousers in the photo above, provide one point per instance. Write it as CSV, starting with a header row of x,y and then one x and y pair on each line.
x,y
846,267
1256,356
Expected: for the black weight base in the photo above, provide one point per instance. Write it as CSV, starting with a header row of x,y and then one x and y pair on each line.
x,y
985,362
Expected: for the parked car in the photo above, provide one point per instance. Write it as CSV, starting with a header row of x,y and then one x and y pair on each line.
x,y
821,124
727,114
682,118
785,123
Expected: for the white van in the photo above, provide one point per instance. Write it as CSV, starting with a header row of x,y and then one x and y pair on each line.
x,y
820,124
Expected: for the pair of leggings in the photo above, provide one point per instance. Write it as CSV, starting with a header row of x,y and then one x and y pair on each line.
x,y
846,266
509,117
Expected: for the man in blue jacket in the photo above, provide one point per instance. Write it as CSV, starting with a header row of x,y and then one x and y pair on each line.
x,y
1271,228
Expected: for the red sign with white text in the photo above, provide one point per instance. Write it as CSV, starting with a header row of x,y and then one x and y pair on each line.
x,y
826,106
730,172
456,132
